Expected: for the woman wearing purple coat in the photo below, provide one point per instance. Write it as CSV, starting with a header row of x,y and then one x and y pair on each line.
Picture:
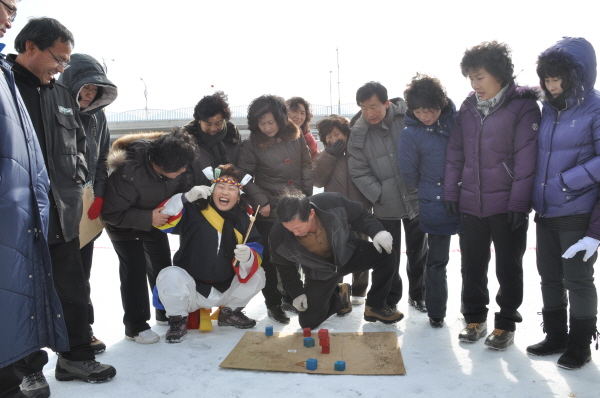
x,y
490,168
565,199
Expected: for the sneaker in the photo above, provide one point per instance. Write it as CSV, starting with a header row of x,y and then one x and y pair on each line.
x,y
97,345
289,307
344,293
90,371
277,314
473,332
385,315
418,304
145,337
500,339
357,300
436,322
35,386
177,329
237,318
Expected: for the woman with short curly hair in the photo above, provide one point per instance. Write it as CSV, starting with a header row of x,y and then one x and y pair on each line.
x,y
489,178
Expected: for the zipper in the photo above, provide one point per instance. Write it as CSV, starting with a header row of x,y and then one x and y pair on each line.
x,y
556,121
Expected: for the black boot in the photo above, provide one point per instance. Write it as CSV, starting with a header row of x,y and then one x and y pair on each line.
x,y
580,337
557,335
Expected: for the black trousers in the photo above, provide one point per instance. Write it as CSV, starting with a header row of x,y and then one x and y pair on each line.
x,y
478,234
139,260
561,275
270,292
70,284
435,275
87,256
12,375
416,254
323,295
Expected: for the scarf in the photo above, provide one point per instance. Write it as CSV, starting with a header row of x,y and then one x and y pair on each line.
x,y
486,105
215,144
224,221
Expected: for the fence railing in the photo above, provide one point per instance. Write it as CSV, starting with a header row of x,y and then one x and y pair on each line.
x,y
239,111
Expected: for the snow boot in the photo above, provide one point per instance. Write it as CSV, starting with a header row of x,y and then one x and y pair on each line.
x,y
473,332
90,370
344,292
580,337
177,329
557,335
237,318
35,386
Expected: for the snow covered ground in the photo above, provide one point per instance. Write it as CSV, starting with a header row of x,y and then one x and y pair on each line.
x,y
436,363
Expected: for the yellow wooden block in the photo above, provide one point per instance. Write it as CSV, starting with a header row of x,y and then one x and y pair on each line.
x,y
205,321
215,315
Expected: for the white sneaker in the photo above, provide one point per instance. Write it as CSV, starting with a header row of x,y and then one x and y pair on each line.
x,y
145,337
357,300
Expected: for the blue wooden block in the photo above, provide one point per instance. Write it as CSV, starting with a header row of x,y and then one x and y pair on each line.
x,y
269,330
311,364
340,365
309,342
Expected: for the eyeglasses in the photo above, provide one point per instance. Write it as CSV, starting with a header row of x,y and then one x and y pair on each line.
x,y
61,64
12,12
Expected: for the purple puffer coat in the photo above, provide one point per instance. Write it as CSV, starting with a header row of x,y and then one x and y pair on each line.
x,y
567,178
494,156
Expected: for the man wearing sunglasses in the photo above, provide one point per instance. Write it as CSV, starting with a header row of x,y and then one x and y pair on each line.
x,y
44,49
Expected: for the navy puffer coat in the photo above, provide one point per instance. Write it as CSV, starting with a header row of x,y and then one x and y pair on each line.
x,y
568,164
422,162
30,312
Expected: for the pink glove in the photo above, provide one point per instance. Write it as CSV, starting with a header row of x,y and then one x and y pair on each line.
x,y
96,208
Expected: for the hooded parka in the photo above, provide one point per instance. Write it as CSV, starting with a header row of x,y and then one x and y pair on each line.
x,y
567,178
84,70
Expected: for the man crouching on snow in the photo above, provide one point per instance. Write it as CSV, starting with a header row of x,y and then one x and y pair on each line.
x,y
319,233
212,267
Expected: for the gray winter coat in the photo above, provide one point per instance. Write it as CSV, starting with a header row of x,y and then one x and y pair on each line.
x,y
373,165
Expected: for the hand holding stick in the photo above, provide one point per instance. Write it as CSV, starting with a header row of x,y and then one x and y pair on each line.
x,y
252,219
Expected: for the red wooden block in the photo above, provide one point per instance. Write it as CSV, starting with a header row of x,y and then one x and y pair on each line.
x,y
324,342
307,332
193,321
323,333
325,349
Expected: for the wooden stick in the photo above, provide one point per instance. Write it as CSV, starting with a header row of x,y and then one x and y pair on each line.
x,y
252,219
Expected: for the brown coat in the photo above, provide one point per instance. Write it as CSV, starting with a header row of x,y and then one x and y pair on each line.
x,y
134,189
331,173
276,163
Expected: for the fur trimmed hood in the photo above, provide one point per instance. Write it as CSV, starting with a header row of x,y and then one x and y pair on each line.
x,y
578,55
118,153
262,141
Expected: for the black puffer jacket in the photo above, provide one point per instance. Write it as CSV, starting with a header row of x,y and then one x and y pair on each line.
x,y
134,189
62,140
86,70
230,145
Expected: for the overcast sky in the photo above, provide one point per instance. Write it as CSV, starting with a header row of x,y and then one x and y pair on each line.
x,y
252,47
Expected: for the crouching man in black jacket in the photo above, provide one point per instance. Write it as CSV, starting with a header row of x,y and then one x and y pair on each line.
x,y
319,233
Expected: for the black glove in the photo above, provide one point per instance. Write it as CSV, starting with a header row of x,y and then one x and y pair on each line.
x,y
336,149
451,208
516,219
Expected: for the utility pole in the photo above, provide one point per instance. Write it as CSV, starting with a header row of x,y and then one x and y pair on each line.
x,y
338,68
145,95
330,95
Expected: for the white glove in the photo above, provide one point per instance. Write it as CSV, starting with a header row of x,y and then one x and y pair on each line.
x,y
590,245
242,253
383,240
199,191
301,302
